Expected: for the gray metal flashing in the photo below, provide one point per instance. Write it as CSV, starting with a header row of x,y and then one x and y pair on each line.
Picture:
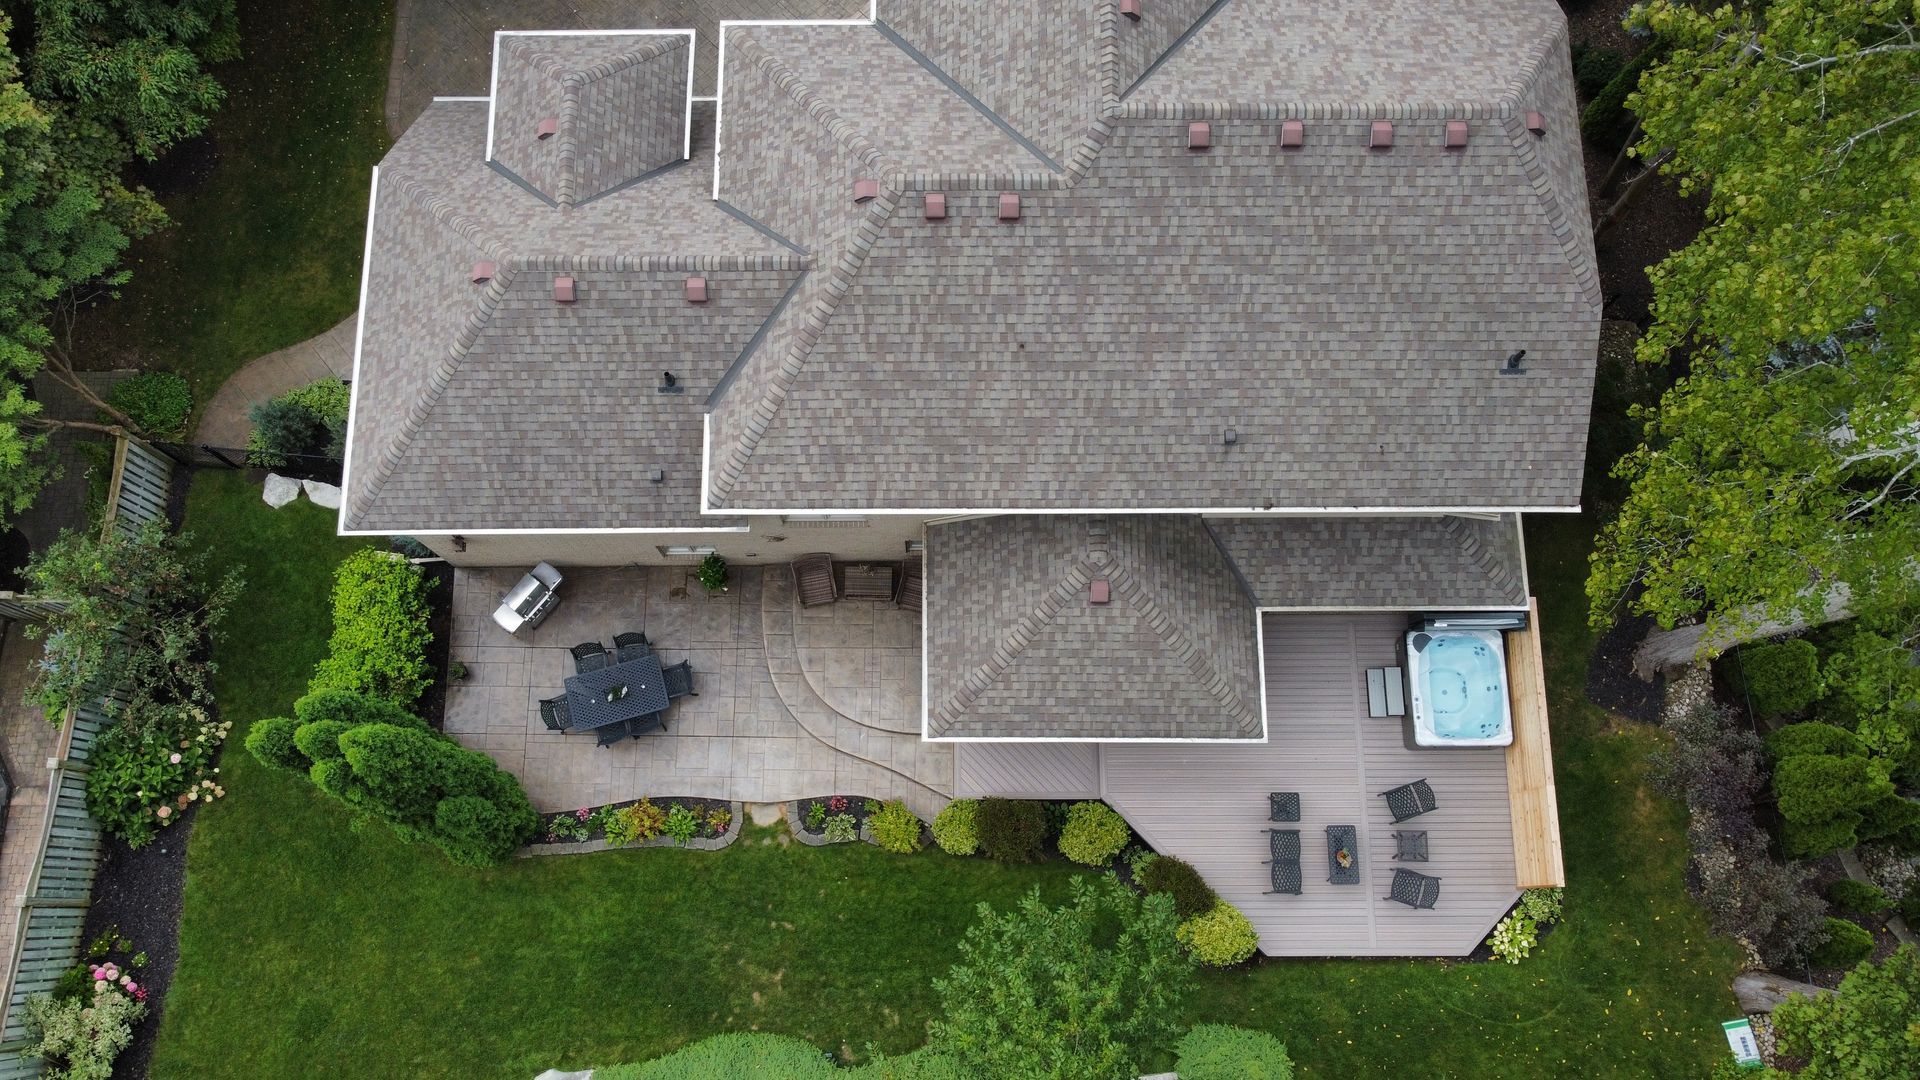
x,y
528,188
641,179
760,226
753,344
967,96
1227,556
1198,25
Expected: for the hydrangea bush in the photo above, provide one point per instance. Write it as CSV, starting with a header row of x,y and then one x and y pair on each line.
x,y
143,778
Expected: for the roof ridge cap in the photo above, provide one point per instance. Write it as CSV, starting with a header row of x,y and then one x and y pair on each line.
x,y
449,215
1581,259
437,383
1015,641
836,280
1183,648
1495,569
804,95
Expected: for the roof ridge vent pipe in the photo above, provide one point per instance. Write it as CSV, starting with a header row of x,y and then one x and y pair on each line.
x,y
1131,9
1456,138
1380,136
548,127
1009,206
1293,134
1537,122
563,290
866,190
697,289
936,206
1199,135
483,272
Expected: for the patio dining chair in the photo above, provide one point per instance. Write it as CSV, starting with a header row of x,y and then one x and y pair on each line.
x,y
1284,845
680,680
609,734
641,725
630,645
813,579
589,656
906,594
1410,800
553,712
1416,890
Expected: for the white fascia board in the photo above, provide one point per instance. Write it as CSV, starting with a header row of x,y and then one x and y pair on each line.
x,y
359,341
704,530
1388,609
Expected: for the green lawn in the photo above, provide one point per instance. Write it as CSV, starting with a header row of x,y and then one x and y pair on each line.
x,y
311,950
265,247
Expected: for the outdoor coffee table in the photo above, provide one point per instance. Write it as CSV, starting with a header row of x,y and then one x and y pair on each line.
x,y
1343,838
613,694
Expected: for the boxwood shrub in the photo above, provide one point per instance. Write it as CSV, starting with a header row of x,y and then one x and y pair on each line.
x,y
1012,830
380,635
1094,834
1813,737
1779,678
1191,894
956,829
895,828
1219,1052
1847,944
1221,937
1858,897
271,741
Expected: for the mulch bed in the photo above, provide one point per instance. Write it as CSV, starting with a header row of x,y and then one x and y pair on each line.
x,y
433,704
1611,682
853,804
137,895
700,807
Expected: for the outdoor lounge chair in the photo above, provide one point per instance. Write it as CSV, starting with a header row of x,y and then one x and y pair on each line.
x,y
680,680
1410,800
589,656
631,645
553,712
1413,889
813,579
1284,844
906,595
609,734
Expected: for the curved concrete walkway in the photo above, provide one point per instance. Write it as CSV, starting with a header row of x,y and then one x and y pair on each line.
x,y
225,423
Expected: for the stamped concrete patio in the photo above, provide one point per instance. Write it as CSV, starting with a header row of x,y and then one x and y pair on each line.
x,y
790,703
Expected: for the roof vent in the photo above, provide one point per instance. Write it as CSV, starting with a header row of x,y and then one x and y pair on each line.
x,y
670,384
658,476
1456,135
697,289
1009,206
1199,135
1537,123
1131,9
866,190
563,290
1382,135
1229,437
1292,134
1099,592
549,125
936,206
482,272
1513,364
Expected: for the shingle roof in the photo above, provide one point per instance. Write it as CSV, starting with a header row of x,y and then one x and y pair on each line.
x,y
617,104
1345,311
1397,563
1016,650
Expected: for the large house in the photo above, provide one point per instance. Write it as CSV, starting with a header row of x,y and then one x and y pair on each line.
x,y
1208,353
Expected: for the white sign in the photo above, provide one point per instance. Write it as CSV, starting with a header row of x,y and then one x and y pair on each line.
x,y
1746,1050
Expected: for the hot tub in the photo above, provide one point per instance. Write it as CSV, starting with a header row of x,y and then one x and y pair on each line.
x,y
1458,684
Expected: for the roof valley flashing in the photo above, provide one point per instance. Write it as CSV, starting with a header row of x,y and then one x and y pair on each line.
x,y
1343,308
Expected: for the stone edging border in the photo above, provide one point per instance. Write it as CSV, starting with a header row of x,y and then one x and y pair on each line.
x,y
698,843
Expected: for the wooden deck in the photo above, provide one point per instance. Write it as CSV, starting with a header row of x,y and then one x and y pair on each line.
x,y
1208,804
1530,793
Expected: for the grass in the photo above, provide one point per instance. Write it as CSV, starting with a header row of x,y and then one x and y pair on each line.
x,y
311,949
270,211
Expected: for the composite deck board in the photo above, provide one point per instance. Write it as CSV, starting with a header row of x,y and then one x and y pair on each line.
x,y
1208,804
1027,770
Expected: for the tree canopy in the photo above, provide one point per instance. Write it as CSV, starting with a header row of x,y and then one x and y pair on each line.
x,y
1786,461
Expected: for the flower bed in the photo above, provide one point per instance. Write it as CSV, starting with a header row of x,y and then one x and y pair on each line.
x,y
706,824
832,819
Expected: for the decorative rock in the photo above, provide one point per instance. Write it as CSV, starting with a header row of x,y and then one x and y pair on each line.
x,y
325,495
280,490
556,1074
765,813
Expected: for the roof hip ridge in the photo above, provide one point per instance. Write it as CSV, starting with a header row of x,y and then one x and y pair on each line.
x,y
1581,260
804,95
1180,645
1016,640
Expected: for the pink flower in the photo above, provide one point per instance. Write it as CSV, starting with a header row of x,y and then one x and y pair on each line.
x,y
175,759
99,975
163,811
132,987
140,994
583,813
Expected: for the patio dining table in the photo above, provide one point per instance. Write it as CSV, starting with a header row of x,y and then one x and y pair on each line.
x,y
617,693
1343,838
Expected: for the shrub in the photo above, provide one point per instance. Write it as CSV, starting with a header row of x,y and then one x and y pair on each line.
x,y
380,635
141,779
353,709
841,829
956,828
1542,905
1779,678
635,823
1594,68
1514,937
271,742
310,421
1813,737
1751,897
1605,122
682,824
1219,1052
1138,859
1847,943
1094,834
1713,766
1857,897
737,1056
83,1035
1088,989
1176,878
1812,841
895,828
1011,830
1865,1029
159,402
320,740
712,574
1813,788
1221,937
